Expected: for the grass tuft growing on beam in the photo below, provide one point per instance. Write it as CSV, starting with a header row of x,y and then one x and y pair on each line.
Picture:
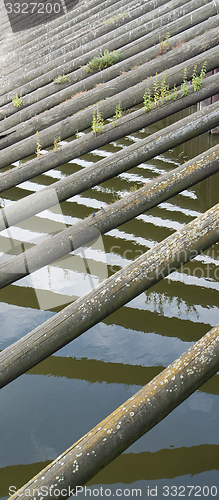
x,y
102,61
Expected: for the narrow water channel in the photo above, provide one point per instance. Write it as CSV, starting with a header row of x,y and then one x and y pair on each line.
x,y
46,410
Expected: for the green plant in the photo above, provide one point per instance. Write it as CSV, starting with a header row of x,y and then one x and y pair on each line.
x,y
133,188
57,143
148,102
164,88
17,101
115,197
156,90
197,80
118,114
164,45
184,87
161,91
61,79
174,93
97,122
194,76
77,135
103,61
38,149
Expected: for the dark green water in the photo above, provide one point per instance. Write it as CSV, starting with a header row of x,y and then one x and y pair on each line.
x,y
46,410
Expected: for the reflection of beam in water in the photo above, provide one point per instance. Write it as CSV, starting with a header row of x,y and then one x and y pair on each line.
x,y
131,467
94,370
176,462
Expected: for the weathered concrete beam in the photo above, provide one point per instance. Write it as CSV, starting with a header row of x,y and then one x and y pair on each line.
x,y
68,126
110,295
146,149
140,413
125,125
59,28
61,44
115,85
118,213
19,59
83,54
92,32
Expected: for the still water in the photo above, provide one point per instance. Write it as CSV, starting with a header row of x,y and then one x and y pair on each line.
x,y
46,410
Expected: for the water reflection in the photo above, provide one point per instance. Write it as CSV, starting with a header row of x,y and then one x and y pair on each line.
x,y
46,410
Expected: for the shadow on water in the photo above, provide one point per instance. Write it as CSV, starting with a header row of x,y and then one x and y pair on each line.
x,y
55,403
